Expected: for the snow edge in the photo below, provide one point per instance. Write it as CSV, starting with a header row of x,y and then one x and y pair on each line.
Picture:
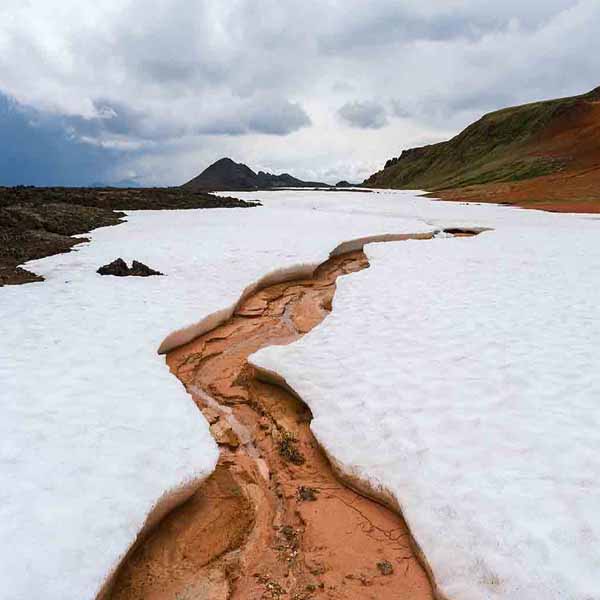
x,y
361,483
171,499
186,334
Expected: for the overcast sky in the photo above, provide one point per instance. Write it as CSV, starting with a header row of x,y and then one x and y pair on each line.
x,y
155,91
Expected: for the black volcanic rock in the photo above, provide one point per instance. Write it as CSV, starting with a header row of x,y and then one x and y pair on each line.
x,y
227,175
119,268
36,222
139,269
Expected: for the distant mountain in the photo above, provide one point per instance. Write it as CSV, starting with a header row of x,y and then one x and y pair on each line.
x,y
124,183
227,175
539,155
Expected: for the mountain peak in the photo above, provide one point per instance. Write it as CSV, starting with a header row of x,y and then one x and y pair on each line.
x,y
227,175
225,161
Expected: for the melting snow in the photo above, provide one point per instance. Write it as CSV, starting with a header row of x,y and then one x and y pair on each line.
x,y
460,374
463,376
94,430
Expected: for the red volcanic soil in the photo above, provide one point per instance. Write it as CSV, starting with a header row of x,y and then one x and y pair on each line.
x,y
573,139
273,521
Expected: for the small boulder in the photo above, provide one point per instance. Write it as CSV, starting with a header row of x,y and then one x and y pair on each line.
x,y
119,268
211,415
224,434
307,494
385,567
139,269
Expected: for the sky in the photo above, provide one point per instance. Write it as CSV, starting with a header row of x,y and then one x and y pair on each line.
x,y
152,93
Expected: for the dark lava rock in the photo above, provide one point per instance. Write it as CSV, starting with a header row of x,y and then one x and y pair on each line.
x,y
385,567
307,494
17,276
119,268
39,222
139,269
288,449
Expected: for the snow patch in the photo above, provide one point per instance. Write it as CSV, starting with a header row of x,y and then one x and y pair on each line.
x,y
461,377
97,438
95,430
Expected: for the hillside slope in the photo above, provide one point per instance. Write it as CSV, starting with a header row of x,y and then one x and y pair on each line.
x,y
540,155
225,174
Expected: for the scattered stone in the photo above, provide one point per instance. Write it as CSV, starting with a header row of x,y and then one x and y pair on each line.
x,y
211,415
307,494
385,567
119,268
288,449
290,535
272,588
224,434
315,567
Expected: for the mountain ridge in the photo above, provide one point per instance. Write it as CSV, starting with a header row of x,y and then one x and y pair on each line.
x,y
542,154
227,175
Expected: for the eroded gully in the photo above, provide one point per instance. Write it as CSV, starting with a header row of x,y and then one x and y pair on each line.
x,y
273,521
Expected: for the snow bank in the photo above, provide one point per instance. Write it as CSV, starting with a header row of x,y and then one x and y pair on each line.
x,y
451,369
462,377
96,436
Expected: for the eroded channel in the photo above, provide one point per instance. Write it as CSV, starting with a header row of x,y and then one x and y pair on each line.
x,y
272,521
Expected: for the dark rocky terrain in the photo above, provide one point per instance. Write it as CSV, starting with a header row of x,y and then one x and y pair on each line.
x,y
39,222
541,155
227,175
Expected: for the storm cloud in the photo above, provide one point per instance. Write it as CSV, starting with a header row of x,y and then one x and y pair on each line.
x,y
320,89
37,149
364,115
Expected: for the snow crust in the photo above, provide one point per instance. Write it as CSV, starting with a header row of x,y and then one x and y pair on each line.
x,y
462,377
96,436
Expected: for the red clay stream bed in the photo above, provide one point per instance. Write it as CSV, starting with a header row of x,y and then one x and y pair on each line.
x,y
273,521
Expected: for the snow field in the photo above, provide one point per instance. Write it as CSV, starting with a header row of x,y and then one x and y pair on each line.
x,y
462,376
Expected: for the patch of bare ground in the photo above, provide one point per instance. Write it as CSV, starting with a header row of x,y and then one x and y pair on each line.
x,y
273,521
